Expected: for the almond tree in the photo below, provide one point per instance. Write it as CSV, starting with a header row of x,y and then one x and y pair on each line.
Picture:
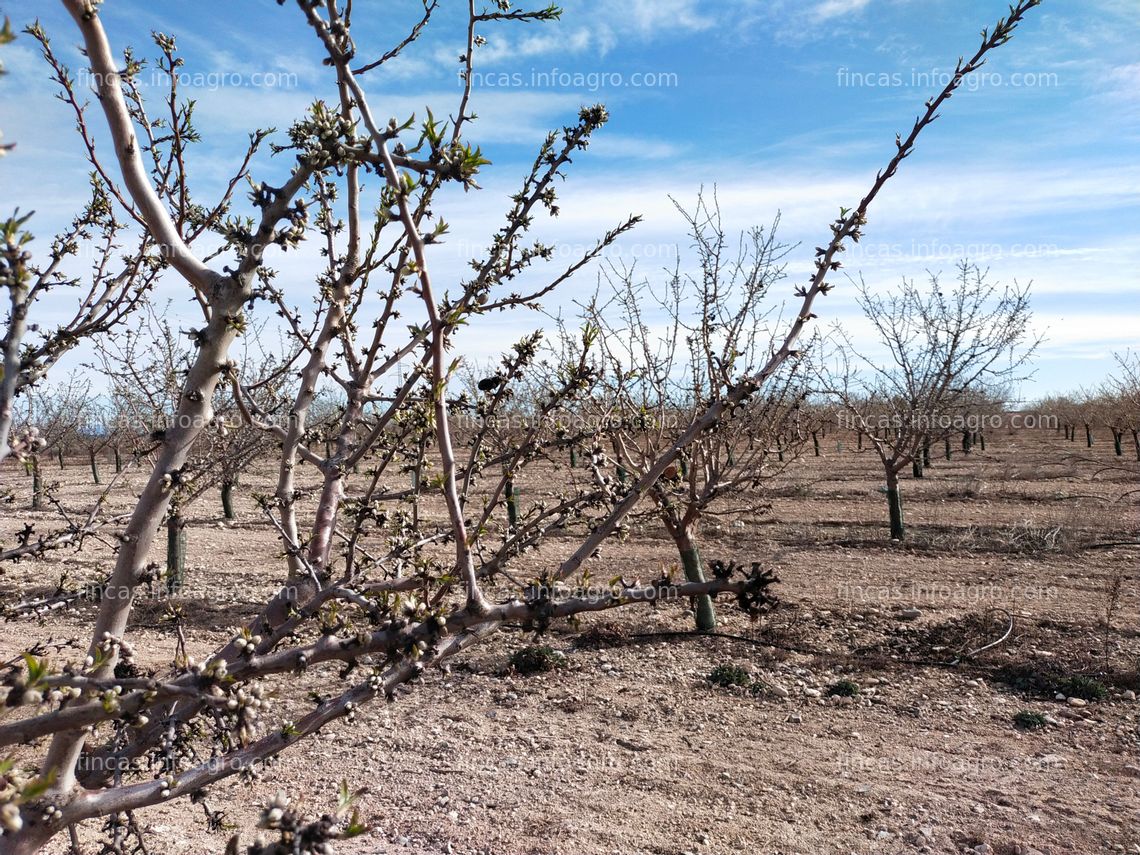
x,y
51,417
145,366
671,350
366,596
944,347
1125,390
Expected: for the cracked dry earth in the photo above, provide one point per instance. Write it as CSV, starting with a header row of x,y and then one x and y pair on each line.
x,y
629,749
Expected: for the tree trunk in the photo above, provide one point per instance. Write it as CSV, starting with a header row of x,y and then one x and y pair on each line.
x,y
1136,441
1117,440
894,506
779,450
981,441
416,493
815,442
37,483
573,458
695,572
1088,435
926,453
513,502
916,467
859,442
94,467
228,499
967,441
118,460
175,552
946,443
59,454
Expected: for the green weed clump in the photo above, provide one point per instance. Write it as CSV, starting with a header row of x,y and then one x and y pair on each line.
x,y
537,659
1085,688
726,676
1028,720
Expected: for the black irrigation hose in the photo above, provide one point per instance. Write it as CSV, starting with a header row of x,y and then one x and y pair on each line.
x,y
962,660
690,634
809,651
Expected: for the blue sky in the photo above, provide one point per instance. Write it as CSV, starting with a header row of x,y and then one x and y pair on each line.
x,y
787,107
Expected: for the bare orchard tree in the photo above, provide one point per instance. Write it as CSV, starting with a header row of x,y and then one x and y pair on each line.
x,y
365,596
673,348
937,348
1067,410
49,417
1124,392
146,366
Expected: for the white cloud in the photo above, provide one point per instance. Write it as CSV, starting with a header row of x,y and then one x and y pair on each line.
x,y
837,8
597,27
501,48
1122,82
650,17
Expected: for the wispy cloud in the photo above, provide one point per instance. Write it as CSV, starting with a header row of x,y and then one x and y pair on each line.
x,y
829,9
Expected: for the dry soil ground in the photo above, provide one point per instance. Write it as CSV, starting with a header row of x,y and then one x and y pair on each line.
x,y
629,748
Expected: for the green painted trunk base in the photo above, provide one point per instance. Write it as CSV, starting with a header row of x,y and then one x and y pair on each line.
x,y
895,508
512,504
694,572
175,554
228,500
37,484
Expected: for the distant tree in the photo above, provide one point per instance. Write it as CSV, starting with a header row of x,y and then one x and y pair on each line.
x,y
146,366
1124,389
51,415
673,348
944,346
